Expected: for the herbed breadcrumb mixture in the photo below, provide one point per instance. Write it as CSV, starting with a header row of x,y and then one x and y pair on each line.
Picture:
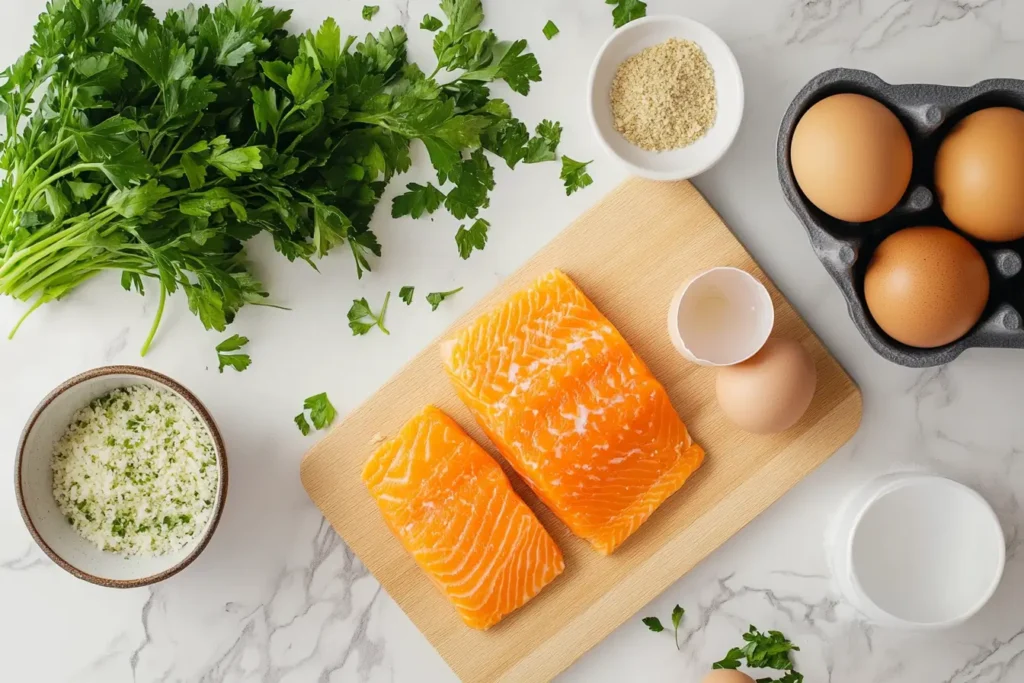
x,y
136,473
664,96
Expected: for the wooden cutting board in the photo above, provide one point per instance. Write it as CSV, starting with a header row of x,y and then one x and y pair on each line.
x,y
628,254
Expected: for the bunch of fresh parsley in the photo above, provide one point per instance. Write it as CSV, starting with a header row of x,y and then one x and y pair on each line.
x,y
157,148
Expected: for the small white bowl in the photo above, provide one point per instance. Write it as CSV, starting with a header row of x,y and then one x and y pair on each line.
x,y
677,164
721,316
916,551
34,483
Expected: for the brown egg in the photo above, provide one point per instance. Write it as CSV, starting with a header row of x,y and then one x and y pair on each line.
x,y
979,174
926,287
851,157
727,676
770,392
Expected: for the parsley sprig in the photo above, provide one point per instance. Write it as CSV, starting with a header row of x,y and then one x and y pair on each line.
x,y
321,413
238,361
626,11
362,319
769,650
436,298
654,624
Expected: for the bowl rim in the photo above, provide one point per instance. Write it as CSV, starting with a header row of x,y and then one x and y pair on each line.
x,y
734,68
222,466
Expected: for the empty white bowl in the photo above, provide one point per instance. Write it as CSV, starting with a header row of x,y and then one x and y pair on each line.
x,y
722,316
916,551
34,483
677,164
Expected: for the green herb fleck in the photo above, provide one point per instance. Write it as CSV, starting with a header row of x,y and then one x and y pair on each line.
x,y
574,174
769,650
362,319
677,617
405,294
653,623
238,361
474,238
550,30
435,298
430,23
626,11
544,144
321,413
369,11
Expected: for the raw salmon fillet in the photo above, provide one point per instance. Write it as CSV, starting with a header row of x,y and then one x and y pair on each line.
x,y
573,409
452,507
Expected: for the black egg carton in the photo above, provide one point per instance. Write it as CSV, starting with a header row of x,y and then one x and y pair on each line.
x,y
928,112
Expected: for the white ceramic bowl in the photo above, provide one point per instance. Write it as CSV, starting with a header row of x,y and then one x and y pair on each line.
x,y
916,551
719,317
34,483
677,164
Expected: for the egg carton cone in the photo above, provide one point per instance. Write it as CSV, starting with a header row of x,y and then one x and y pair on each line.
x,y
928,112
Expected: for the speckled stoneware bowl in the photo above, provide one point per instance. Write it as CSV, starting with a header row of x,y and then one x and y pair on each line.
x,y
33,481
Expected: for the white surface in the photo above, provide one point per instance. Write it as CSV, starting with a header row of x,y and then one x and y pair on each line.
x,y
37,487
722,316
676,164
917,551
277,598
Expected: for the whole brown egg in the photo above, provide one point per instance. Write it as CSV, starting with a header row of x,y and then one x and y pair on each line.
x,y
851,157
926,286
979,174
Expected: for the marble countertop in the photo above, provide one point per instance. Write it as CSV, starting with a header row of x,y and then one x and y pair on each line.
x,y
278,598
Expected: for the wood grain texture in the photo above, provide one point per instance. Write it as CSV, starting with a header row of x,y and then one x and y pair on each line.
x,y
628,254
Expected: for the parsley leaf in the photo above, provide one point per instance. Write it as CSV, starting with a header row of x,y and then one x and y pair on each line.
x,y
435,298
544,144
474,238
732,660
653,623
430,23
574,174
361,319
626,11
369,11
550,30
677,617
418,200
321,413
769,650
405,294
238,361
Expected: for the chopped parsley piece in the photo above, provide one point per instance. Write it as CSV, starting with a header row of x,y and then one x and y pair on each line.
x,y
430,23
474,238
369,11
626,11
550,30
435,298
574,174
238,361
321,413
362,319
405,294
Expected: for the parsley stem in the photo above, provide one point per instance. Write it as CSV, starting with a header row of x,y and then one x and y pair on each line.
x,y
156,322
383,310
39,302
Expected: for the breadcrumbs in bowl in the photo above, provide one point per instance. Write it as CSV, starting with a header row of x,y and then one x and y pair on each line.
x,y
121,476
666,97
